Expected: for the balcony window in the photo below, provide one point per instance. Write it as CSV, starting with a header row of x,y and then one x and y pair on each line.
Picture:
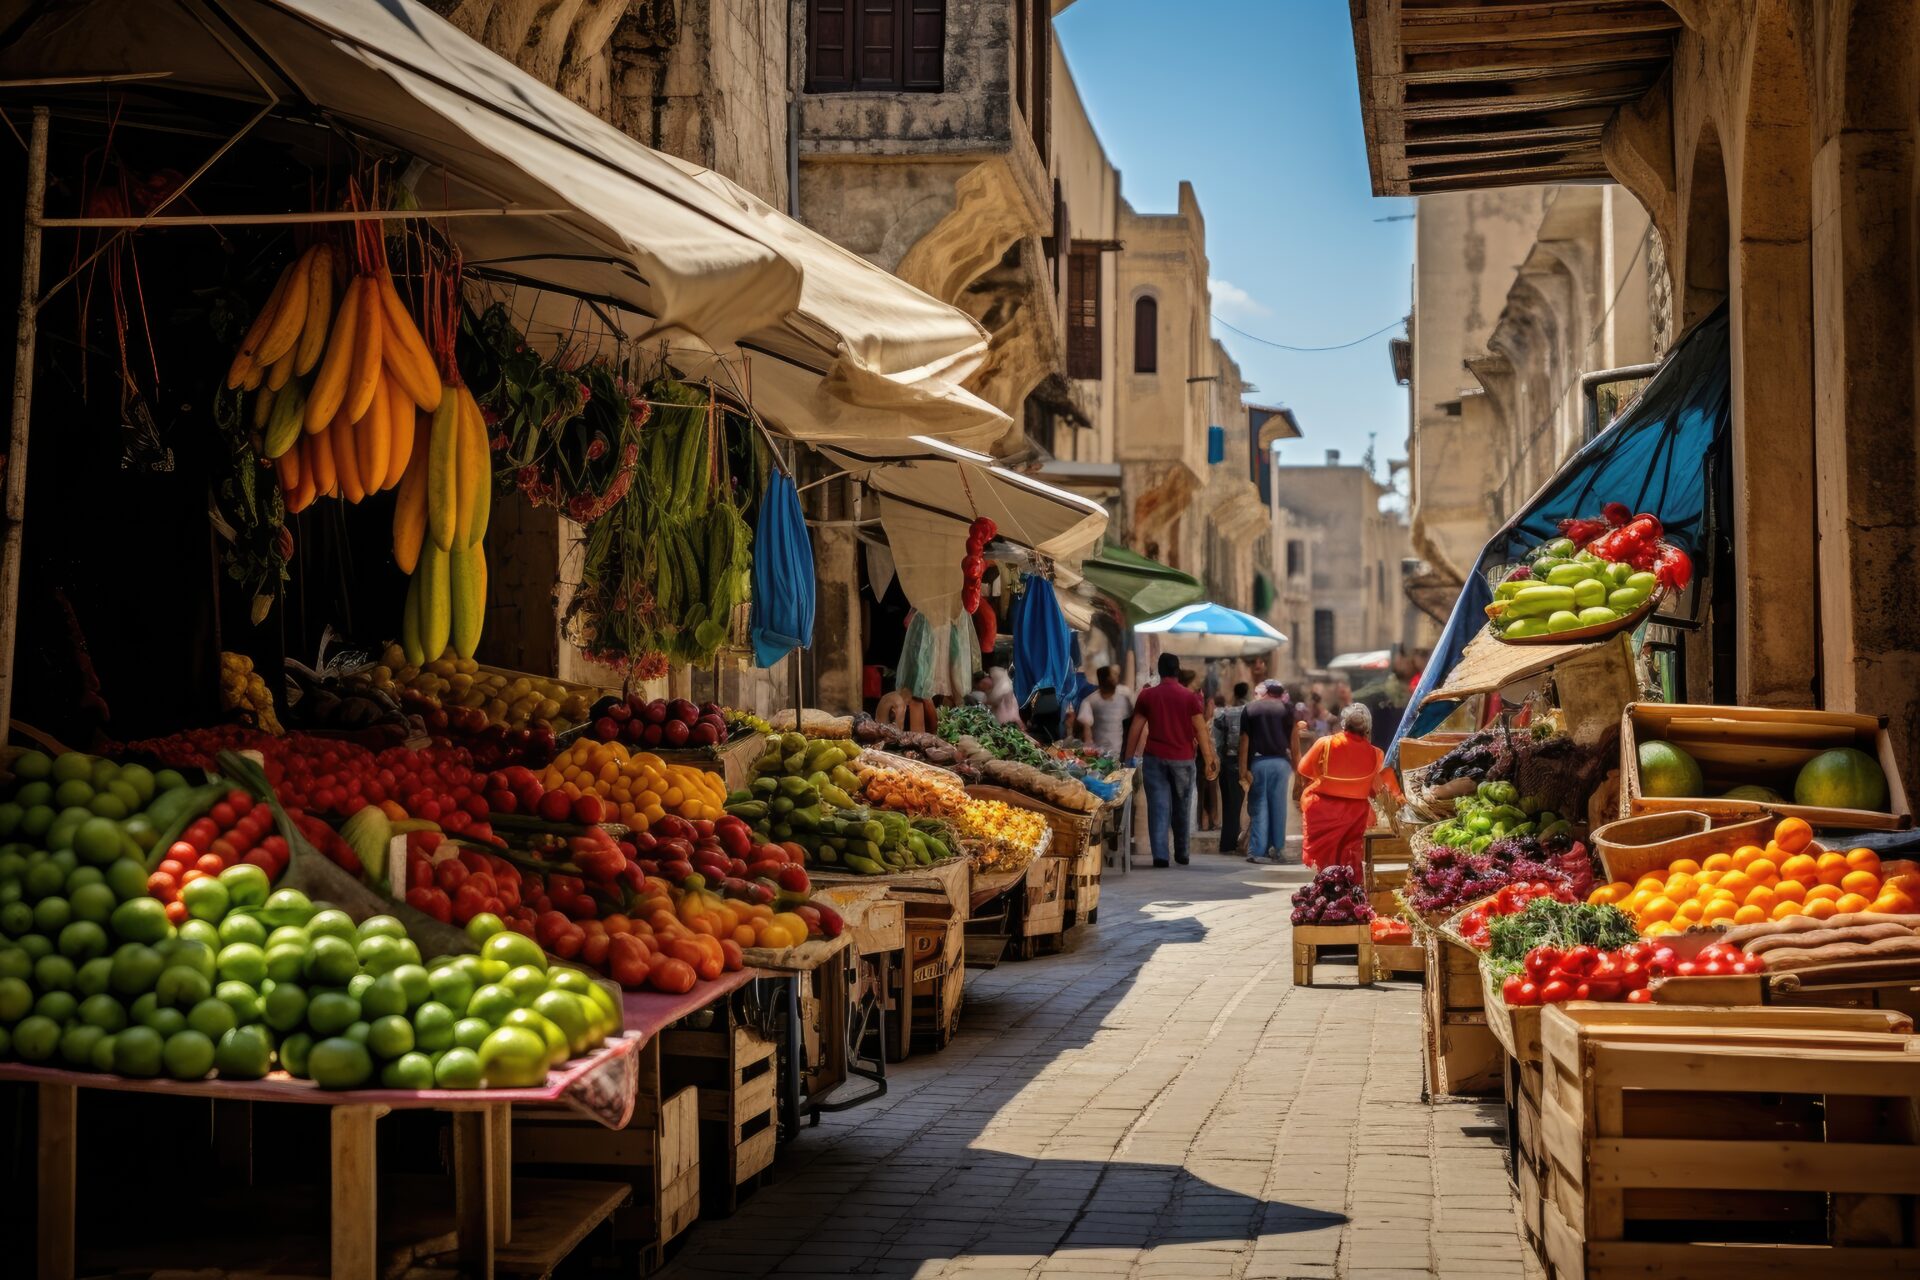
x,y
1146,335
875,45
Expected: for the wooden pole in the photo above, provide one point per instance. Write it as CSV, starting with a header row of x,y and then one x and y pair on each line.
x,y
23,345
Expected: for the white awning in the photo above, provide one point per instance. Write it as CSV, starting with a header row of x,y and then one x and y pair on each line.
x,y
930,493
833,345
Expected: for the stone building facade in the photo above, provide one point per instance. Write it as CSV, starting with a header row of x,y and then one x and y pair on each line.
x,y
1773,147
1518,294
1352,555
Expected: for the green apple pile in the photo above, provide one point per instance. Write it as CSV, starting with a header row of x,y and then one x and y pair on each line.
x,y
1564,590
93,975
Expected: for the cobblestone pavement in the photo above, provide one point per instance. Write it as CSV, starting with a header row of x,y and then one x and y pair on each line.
x,y
1159,1101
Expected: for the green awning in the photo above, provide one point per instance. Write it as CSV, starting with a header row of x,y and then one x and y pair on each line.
x,y
1142,587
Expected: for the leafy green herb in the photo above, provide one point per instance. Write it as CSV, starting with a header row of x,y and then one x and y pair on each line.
x,y
1558,924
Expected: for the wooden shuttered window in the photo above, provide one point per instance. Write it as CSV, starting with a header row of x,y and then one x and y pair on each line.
x,y
1083,313
875,44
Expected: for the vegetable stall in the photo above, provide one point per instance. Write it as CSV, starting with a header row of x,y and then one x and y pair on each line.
x,y
1678,938
402,323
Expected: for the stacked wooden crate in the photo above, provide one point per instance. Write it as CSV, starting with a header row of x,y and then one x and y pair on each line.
x,y
734,1068
1726,1142
657,1152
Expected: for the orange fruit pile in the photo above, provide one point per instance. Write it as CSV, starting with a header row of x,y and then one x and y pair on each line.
x,y
639,787
1792,876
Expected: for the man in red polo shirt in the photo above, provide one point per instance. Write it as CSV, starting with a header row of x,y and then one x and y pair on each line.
x,y
1168,723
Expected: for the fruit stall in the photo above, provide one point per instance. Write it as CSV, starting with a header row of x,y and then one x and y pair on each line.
x,y
1677,939
510,956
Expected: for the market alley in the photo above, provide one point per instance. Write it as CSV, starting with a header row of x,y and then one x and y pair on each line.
x,y
1160,1100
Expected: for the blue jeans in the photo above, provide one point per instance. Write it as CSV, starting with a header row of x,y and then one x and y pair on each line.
x,y
1267,803
1169,805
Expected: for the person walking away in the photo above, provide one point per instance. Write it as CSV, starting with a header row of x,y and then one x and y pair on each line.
x,y
1210,789
1168,721
1104,714
1226,746
1266,771
1000,697
1343,771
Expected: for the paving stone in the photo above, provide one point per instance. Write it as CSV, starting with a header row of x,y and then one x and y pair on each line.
x,y
1157,1100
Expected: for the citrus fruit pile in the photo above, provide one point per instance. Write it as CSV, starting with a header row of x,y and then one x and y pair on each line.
x,y
639,787
1791,876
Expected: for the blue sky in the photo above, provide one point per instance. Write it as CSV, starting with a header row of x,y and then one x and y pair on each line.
x,y
1255,102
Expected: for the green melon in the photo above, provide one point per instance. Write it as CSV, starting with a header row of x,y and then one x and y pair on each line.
x,y
1844,778
1761,795
1666,770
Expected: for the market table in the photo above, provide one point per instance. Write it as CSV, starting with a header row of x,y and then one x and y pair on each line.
x,y
601,1085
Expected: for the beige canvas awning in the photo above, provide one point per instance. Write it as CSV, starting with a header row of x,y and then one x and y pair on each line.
x,y
929,495
830,344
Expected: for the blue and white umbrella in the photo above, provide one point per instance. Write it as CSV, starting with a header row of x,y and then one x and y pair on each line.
x,y
1208,630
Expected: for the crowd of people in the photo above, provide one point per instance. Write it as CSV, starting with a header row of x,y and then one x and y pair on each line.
x,y
1239,766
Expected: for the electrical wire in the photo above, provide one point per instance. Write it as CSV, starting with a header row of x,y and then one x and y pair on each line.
x,y
1287,347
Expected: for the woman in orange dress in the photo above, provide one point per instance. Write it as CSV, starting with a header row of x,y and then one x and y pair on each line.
x,y
1343,771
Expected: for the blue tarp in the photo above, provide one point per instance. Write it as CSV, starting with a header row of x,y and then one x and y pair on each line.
x,y
783,585
1653,459
1042,643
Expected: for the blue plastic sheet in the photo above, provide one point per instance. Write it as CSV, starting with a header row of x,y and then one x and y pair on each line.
x,y
1652,459
1042,643
783,582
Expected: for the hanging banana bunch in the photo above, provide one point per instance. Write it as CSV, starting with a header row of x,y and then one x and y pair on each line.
x,y
444,505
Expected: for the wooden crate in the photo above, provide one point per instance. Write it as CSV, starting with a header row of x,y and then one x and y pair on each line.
x,y
1736,746
1083,885
936,949
1462,1056
657,1153
1390,958
1706,1149
1046,898
1417,752
1309,938
827,997
734,1068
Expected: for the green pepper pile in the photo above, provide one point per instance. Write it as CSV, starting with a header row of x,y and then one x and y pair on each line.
x,y
1495,811
801,793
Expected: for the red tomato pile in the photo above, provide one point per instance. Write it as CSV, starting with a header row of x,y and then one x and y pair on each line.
x,y
1553,975
517,789
234,830
663,910
1476,925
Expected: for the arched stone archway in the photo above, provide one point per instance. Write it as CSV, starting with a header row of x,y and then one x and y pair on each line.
x,y
1705,234
1776,627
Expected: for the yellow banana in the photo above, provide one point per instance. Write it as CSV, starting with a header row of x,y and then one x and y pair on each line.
x,y
372,435
364,380
443,451
286,470
262,410
436,604
288,315
401,412
346,456
330,384
482,512
410,514
313,334
317,461
406,353
279,371
410,624
467,591
244,361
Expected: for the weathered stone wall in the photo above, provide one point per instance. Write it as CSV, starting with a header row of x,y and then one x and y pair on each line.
x,y
1779,162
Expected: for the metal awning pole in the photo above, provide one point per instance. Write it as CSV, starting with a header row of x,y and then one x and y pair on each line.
x,y
23,345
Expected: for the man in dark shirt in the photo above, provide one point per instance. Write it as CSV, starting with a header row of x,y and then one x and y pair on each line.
x,y
1168,723
1266,771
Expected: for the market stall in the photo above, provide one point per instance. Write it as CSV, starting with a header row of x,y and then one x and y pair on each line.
x,y
342,252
